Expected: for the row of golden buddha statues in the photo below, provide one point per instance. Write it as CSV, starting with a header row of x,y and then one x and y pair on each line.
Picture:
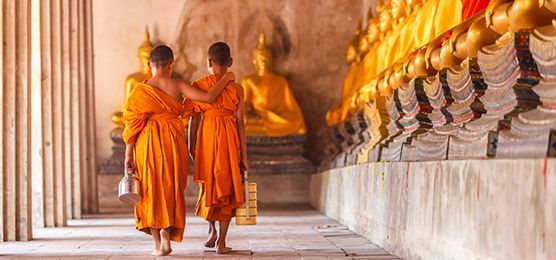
x,y
447,89
274,121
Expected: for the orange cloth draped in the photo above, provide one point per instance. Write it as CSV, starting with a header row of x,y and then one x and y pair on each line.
x,y
153,117
217,154
471,7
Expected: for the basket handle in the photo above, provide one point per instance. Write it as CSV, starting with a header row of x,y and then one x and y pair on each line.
x,y
246,183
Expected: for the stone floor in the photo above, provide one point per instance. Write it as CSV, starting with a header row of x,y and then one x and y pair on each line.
x,y
298,233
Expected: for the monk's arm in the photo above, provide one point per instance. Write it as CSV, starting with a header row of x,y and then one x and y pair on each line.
x,y
240,121
208,96
129,160
192,133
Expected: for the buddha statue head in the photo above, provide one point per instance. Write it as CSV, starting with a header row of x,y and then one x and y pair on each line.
x,y
373,29
373,32
363,44
144,52
352,53
413,5
385,19
398,10
262,57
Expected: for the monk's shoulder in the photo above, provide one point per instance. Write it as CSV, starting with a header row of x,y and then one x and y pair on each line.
x,y
205,82
237,86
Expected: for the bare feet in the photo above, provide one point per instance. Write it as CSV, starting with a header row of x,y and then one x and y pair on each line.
x,y
222,249
211,242
165,246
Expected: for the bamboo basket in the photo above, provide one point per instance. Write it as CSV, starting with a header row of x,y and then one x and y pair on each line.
x,y
242,218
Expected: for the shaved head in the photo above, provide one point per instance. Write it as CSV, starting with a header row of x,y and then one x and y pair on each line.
x,y
161,56
219,53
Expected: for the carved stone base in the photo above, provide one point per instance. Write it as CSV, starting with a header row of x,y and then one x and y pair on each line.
x,y
473,144
115,163
433,145
278,155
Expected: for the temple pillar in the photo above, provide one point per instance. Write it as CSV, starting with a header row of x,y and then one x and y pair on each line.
x,y
75,111
15,172
38,164
89,182
59,146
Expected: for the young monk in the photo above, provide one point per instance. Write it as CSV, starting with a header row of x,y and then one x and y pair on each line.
x,y
220,148
156,133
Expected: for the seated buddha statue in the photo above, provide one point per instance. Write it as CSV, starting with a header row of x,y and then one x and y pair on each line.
x,y
270,106
137,77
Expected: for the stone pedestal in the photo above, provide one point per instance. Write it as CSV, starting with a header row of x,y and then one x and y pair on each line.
x,y
115,163
531,133
510,72
433,145
278,166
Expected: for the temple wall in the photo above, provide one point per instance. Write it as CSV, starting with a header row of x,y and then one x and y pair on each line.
x,y
309,39
468,209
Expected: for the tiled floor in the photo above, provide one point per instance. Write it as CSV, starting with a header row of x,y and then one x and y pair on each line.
x,y
280,234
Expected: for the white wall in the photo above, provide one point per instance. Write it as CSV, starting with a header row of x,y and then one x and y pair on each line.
x,y
469,209
118,29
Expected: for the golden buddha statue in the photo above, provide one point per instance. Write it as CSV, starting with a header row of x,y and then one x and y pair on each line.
x,y
271,108
339,112
413,5
398,11
385,20
143,54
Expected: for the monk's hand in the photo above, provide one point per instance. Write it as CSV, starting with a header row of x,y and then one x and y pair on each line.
x,y
129,165
245,164
230,76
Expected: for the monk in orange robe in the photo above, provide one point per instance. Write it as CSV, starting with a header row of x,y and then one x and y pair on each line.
x,y
155,131
220,148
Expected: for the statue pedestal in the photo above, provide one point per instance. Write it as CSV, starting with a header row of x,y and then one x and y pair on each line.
x,y
433,145
278,155
115,163
111,171
510,73
278,166
531,133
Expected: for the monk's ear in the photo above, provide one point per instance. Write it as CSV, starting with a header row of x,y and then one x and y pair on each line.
x,y
150,65
210,62
231,62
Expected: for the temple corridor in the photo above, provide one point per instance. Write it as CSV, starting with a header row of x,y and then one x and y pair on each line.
x,y
347,129
281,233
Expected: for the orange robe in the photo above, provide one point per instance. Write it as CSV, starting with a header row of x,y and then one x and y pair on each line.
x,y
217,154
154,118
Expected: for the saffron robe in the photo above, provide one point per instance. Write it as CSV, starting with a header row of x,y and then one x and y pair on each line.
x,y
153,119
217,154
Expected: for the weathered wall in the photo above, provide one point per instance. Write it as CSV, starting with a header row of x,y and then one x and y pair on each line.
x,y
119,27
482,209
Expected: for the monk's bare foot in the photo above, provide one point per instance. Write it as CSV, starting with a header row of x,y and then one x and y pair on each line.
x,y
165,246
223,250
211,242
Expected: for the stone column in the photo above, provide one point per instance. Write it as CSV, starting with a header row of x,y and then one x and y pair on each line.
x,y
66,107
91,199
36,118
75,109
16,121
48,172
58,116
